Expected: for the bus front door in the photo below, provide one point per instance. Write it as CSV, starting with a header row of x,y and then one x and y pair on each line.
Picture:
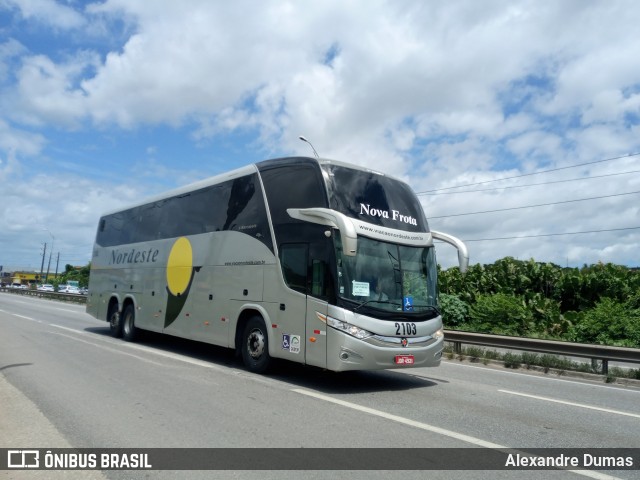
x,y
316,329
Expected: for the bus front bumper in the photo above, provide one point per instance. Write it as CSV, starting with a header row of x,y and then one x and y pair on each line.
x,y
349,353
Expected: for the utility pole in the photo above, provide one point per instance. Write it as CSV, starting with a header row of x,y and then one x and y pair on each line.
x,y
44,254
57,263
53,239
46,278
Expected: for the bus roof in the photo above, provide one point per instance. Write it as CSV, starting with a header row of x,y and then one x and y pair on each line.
x,y
240,172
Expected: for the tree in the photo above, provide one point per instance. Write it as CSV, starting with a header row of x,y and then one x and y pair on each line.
x,y
454,310
501,313
81,275
609,323
531,298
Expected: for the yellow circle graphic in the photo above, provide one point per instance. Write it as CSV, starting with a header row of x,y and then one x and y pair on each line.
x,y
179,266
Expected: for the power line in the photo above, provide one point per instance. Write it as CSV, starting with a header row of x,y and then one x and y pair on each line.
x,y
534,184
550,234
538,205
533,173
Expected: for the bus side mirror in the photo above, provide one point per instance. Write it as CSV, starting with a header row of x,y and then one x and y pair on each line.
x,y
463,253
331,218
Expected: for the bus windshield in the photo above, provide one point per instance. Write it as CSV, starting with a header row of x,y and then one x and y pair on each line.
x,y
387,277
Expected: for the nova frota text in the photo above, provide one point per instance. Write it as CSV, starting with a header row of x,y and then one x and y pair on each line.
x,y
395,215
134,256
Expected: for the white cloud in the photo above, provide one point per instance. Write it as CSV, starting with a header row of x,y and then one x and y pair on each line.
x,y
536,144
46,93
437,93
67,207
9,50
47,12
16,140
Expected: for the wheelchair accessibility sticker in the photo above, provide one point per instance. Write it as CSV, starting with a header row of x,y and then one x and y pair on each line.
x,y
408,304
291,343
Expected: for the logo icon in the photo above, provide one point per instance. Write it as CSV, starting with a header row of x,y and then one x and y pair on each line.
x,y
295,344
180,273
23,459
404,342
291,343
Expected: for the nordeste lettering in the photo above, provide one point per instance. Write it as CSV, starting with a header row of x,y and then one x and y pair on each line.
x,y
134,256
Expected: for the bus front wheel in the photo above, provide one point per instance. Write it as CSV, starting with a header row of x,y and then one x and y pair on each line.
x,y
255,346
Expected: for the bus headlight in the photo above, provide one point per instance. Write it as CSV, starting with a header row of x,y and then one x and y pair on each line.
x,y
349,329
438,334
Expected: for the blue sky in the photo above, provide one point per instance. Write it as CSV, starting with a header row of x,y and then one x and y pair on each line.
x,y
105,103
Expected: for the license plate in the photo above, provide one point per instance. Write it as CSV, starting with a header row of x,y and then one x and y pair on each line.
x,y
404,360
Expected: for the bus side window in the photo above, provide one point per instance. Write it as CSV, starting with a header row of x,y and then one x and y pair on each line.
x,y
319,279
293,258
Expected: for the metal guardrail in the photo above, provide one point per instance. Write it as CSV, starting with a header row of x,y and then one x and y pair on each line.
x,y
64,297
602,353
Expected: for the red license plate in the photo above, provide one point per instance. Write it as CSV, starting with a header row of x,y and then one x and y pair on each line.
x,y
404,360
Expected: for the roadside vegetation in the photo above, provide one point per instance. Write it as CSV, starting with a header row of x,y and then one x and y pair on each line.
x,y
80,275
540,362
596,304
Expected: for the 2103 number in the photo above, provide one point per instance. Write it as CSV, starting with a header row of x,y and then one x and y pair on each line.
x,y
406,329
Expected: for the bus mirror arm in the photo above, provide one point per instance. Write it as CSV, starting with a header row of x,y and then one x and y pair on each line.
x,y
463,253
326,216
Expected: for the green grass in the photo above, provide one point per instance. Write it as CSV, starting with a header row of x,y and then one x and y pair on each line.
x,y
533,360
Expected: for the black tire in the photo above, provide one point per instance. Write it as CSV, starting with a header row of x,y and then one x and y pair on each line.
x,y
129,330
255,346
113,317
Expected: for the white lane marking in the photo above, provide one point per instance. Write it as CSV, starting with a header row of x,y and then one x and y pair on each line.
x,y
573,404
69,310
21,316
141,348
104,347
405,421
540,377
431,428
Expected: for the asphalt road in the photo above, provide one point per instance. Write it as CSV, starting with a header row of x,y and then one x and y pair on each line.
x,y
64,382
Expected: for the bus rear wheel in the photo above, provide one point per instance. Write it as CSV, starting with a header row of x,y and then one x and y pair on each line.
x,y
255,346
129,330
114,321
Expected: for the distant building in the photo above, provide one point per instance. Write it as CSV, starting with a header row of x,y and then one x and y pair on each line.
x,y
26,278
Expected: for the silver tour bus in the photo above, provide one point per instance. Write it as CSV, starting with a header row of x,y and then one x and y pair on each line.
x,y
314,261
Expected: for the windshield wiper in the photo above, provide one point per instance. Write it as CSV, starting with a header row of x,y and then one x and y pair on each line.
x,y
429,307
372,301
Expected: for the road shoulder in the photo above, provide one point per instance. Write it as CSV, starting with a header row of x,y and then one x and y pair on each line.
x,y
22,425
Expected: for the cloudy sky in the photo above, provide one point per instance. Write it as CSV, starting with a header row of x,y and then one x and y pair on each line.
x,y
518,123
